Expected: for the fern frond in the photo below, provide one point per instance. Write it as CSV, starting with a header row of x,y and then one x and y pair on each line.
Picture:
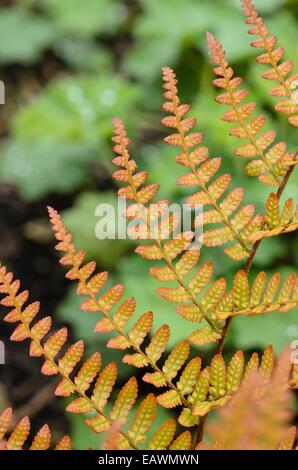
x,y
236,221
280,69
263,296
257,415
170,249
277,221
19,435
270,159
89,398
90,285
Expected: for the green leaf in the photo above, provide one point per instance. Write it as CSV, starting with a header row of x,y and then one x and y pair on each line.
x,y
159,43
77,108
281,329
82,436
85,18
65,129
43,166
23,35
83,54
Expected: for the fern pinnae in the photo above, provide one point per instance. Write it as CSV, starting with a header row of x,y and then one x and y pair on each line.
x,y
284,162
63,366
270,159
142,196
263,296
277,221
20,432
83,379
274,57
90,288
242,427
200,176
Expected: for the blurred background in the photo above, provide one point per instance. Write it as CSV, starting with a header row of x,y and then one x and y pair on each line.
x,y
68,67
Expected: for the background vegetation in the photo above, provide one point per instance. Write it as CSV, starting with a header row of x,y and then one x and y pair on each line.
x,y
68,67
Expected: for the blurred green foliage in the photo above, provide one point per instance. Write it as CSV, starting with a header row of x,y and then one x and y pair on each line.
x,y
104,58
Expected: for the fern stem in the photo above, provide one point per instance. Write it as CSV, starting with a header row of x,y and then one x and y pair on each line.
x,y
200,430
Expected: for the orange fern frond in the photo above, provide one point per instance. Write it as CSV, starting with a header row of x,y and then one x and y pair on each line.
x,y
280,69
90,284
169,250
19,435
237,222
91,386
257,416
270,159
221,383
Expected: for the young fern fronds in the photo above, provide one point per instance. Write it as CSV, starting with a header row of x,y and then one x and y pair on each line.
x,y
270,160
277,221
236,225
280,69
90,285
136,190
19,435
92,402
263,296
